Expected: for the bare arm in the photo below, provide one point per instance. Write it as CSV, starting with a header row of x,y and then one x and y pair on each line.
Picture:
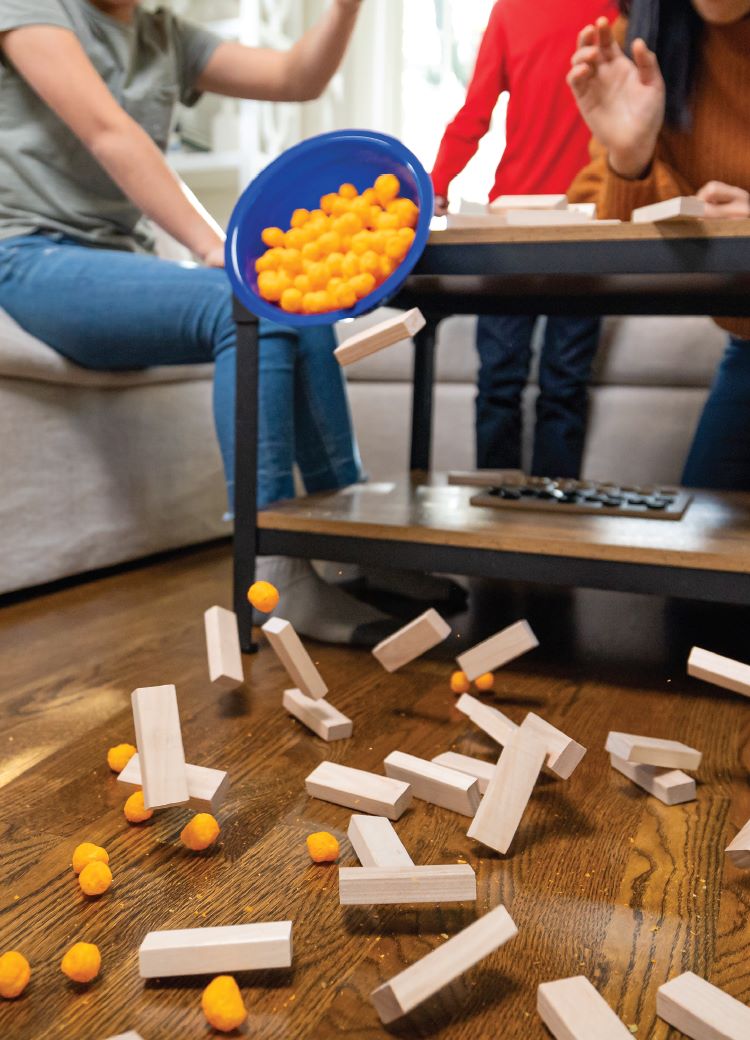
x,y
299,74
57,68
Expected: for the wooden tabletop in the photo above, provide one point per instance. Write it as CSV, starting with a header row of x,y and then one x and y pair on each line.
x,y
601,880
594,232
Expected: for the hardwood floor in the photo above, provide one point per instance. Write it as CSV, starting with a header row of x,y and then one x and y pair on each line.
x,y
601,880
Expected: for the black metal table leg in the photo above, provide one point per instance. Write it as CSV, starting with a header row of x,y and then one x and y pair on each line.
x,y
245,471
423,392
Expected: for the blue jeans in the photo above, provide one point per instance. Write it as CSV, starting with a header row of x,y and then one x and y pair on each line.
x,y
504,346
720,455
115,311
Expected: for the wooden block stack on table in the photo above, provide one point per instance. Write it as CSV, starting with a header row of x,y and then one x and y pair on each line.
x,y
573,1010
702,1011
671,786
223,648
653,764
411,641
159,740
204,951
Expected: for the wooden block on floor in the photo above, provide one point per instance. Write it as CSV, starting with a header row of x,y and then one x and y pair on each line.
x,y
481,771
435,783
378,337
372,886
650,751
563,753
322,718
500,811
287,646
411,641
739,850
159,739
702,1011
376,843
683,207
207,788
498,650
492,721
359,790
721,671
548,202
670,786
223,647
443,965
214,951
573,1010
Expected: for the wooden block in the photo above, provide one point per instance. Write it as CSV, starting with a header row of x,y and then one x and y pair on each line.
x,y
573,1010
492,721
502,807
435,783
563,753
670,786
588,208
288,647
549,218
702,1011
207,788
428,976
357,789
371,886
481,771
159,740
376,843
739,850
485,477
223,647
548,202
472,208
378,337
685,207
321,717
127,1036
213,951
650,751
721,671
475,220
498,650
411,641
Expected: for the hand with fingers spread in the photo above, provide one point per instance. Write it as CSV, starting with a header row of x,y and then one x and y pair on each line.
x,y
622,100
724,201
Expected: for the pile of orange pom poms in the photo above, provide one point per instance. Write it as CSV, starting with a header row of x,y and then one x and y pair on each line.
x,y
336,255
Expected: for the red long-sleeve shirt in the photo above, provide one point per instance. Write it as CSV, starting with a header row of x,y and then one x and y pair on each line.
x,y
526,50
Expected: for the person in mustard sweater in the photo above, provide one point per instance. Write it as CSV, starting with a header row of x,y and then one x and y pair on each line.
x,y
666,94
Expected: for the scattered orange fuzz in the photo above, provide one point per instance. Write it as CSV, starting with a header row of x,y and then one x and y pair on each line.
x,y
119,756
95,879
200,833
336,255
135,811
223,1005
15,972
86,853
323,847
485,682
459,683
82,962
263,595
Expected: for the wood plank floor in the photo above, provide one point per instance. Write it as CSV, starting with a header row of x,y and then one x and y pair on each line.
x,y
601,880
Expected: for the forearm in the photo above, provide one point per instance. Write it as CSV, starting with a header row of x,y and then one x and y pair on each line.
x,y
315,58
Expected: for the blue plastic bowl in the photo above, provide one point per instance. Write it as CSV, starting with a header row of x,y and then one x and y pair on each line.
x,y
299,178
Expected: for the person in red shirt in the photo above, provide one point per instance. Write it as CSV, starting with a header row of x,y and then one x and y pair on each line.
x,y
526,51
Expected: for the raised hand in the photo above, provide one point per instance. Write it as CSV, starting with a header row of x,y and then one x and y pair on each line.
x,y
621,100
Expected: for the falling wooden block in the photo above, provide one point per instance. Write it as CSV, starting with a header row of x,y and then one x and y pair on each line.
x,y
684,207
287,646
702,1011
650,751
492,721
435,783
378,337
670,786
721,671
573,1010
359,790
498,650
212,951
411,641
322,718
481,771
739,850
223,647
563,753
371,886
428,976
159,739
500,811
537,202
207,788
376,843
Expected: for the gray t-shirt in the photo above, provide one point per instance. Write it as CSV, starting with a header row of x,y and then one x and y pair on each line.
x,y
49,181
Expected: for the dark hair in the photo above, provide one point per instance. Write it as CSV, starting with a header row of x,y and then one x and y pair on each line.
x,y
673,29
